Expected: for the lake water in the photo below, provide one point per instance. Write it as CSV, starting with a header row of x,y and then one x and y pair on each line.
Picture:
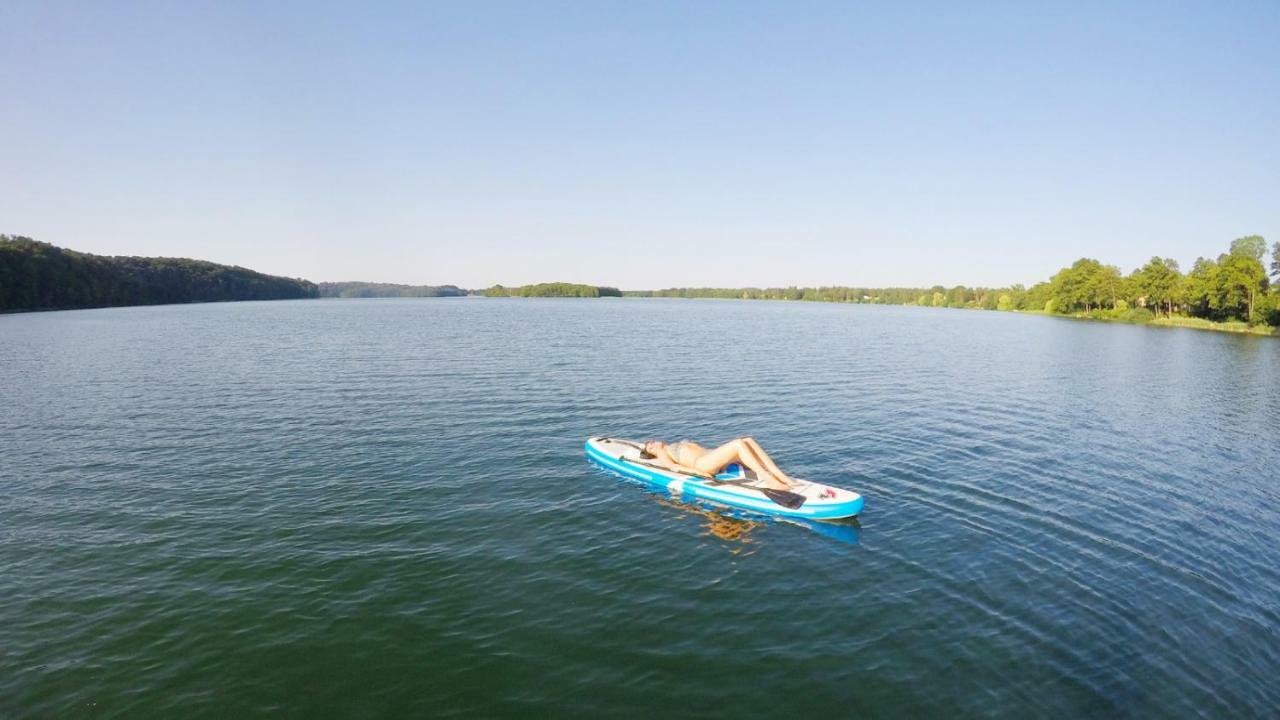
x,y
374,508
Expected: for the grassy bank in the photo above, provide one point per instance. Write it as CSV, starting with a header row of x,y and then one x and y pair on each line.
x,y
1202,324
1177,321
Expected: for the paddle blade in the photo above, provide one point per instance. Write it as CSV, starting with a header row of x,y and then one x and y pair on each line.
x,y
785,498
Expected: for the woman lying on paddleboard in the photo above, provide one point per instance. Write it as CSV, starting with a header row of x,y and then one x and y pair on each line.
x,y
687,455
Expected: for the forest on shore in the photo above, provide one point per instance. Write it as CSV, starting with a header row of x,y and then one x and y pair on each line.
x,y
39,276
553,289
1239,290
1236,290
383,290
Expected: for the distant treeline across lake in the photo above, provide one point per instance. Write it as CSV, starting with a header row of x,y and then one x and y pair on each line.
x,y
383,290
1233,292
553,289
39,276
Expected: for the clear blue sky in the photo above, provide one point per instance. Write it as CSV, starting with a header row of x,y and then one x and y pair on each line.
x,y
641,144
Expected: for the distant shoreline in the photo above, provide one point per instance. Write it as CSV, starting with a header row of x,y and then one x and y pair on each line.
x,y
38,276
1177,322
1232,294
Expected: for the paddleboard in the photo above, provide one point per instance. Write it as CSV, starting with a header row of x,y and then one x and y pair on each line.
x,y
736,487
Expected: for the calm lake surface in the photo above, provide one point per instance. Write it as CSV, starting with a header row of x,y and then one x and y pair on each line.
x,y
369,508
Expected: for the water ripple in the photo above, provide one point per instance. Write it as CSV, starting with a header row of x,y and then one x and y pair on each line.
x,y
373,508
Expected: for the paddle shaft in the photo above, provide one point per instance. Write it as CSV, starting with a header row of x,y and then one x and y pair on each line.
x,y
655,466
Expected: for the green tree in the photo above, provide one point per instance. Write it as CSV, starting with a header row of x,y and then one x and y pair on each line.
x,y
1240,279
1080,286
1158,283
1275,261
1199,286
1064,290
1104,285
1253,246
1246,274
1017,296
1038,297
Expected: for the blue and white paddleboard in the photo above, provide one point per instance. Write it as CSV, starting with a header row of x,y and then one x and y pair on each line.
x,y
735,488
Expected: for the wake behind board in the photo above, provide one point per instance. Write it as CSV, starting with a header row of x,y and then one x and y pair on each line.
x,y
737,487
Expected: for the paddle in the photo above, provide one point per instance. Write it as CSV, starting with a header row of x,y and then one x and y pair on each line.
x,y
785,498
643,453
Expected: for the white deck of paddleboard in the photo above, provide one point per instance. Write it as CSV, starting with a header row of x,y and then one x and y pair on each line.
x,y
623,449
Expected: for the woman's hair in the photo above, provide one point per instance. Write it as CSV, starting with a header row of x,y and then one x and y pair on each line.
x,y
644,449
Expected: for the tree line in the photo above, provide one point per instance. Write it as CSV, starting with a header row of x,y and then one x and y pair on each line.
x,y
378,290
1241,285
882,296
1235,287
39,276
554,289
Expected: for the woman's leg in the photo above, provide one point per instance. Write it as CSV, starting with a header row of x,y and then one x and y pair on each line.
x,y
764,458
750,456
713,461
